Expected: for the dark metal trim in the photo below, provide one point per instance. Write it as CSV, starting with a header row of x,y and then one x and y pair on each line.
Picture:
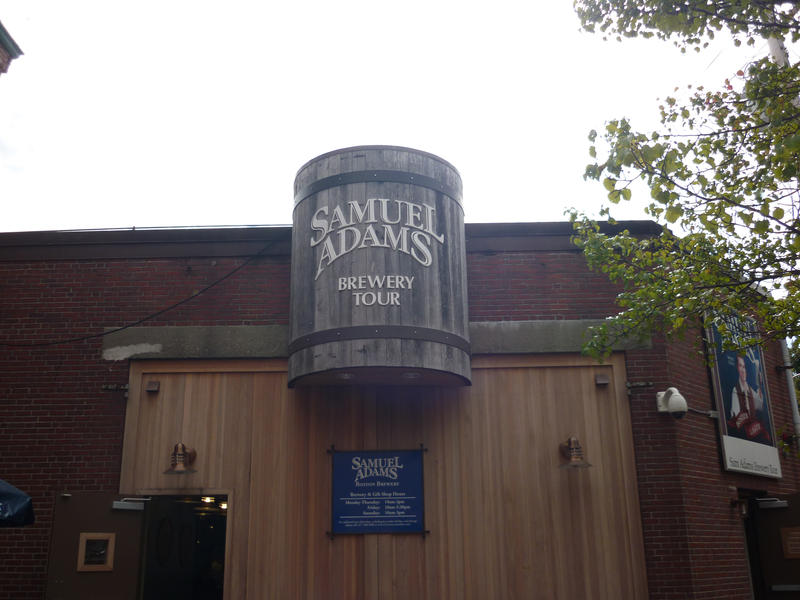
x,y
378,176
422,450
371,332
356,150
244,241
786,587
8,44
331,451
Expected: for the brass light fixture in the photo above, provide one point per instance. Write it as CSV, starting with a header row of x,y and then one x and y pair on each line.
x,y
181,460
572,451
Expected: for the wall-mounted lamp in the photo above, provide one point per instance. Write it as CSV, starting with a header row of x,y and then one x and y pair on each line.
x,y
741,506
572,451
671,401
181,460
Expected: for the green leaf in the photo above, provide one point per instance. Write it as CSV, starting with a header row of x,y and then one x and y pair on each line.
x,y
792,143
723,166
673,213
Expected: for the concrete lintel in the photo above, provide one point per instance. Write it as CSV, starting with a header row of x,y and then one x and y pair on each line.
x,y
239,341
271,341
536,337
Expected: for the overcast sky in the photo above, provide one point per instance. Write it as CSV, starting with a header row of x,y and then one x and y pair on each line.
x,y
177,113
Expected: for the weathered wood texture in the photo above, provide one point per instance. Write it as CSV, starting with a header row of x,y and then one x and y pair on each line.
x,y
368,225
505,521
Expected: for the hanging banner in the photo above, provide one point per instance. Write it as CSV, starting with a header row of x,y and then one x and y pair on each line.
x,y
740,387
378,491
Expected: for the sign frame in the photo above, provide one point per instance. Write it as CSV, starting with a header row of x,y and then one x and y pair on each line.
x,y
748,442
377,492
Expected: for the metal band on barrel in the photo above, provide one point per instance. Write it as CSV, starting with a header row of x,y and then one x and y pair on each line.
x,y
370,332
378,177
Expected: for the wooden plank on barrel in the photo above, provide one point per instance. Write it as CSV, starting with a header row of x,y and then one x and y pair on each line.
x,y
378,241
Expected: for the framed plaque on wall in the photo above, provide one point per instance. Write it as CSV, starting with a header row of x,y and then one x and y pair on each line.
x,y
377,491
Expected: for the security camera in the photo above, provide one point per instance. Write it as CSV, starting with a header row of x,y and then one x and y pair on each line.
x,y
671,401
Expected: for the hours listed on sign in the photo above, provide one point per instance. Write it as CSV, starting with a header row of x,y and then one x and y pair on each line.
x,y
378,504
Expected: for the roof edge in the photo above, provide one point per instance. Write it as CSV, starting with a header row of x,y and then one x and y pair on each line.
x,y
8,43
267,240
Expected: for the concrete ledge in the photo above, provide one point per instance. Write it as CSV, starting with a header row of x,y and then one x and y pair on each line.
x,y
272,341
535,337
243,341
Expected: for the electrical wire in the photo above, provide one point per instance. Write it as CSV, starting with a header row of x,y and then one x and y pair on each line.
x,y
149,317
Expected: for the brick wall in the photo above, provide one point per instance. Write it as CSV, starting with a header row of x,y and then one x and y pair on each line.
x,y
718,564
521,286
60,430
5,60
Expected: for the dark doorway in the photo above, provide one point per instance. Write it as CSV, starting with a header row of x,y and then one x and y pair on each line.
x,y
773,536
184,556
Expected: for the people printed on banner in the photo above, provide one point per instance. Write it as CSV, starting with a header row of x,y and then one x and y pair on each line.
x,y
747,413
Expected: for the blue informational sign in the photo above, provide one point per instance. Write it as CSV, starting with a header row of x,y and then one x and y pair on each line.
x,y
378,491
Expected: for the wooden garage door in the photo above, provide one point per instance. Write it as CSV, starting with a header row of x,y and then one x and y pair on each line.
x,y
505,521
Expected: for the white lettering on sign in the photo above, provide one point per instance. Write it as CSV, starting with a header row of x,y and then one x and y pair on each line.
x,y
378,283
379,298
398,225
376,467
360,282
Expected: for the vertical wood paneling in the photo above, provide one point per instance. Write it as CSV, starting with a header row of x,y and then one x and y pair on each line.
x,y
210,412
505,521
236,403
268,520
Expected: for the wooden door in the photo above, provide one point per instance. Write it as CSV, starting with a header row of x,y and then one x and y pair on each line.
x,y
109,578
505,520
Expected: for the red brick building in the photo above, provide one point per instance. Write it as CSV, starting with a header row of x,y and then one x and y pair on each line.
x,y
97,324
9,50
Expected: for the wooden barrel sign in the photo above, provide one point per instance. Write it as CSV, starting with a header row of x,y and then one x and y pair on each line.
x,y
379,281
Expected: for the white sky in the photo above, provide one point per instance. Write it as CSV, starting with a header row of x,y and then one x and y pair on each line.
x,y
178,113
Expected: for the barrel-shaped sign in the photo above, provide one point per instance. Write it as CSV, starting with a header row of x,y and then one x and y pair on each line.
x,y
379,284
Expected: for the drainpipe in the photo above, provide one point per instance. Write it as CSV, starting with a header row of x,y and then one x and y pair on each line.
x,y
790,382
